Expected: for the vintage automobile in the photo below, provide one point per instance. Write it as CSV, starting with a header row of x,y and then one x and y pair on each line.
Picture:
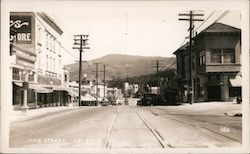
x,y
149,100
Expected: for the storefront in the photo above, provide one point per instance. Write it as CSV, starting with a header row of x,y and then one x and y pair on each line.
x,y
219,87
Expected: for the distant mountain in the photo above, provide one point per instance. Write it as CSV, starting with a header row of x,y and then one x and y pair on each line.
x,y
120,66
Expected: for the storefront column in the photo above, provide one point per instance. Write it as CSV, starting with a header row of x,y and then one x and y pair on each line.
x,y
36,99
226,88
205,93
61,98
25,106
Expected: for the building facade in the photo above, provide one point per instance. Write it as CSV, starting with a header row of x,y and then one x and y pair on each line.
x,y
216,58
130,90
36,55
183,72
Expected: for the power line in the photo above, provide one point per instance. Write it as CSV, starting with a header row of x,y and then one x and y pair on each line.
x,y
222,16
173,56
191,19
158,64
171,66
167,63
68,51
205,20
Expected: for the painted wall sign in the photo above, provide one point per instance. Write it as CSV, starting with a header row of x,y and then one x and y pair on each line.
x,y
21,26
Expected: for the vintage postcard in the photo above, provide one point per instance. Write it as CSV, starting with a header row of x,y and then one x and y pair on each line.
x,y
124,76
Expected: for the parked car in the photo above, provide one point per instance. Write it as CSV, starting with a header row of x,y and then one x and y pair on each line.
x,y
113,103
139,102
119,103
150,100
105,103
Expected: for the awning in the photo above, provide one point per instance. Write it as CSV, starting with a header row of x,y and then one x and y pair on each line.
x,y
72,93
46,80
60,88
88,98
18,84
35,87
236,82
40,89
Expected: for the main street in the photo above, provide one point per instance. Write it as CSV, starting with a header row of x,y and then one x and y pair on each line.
x,y
128,126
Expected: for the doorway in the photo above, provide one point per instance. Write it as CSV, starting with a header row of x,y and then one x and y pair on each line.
x,y
214,93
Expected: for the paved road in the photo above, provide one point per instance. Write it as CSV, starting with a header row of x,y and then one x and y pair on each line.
x,y
127,126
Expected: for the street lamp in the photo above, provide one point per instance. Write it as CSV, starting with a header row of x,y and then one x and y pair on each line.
x,y
26,74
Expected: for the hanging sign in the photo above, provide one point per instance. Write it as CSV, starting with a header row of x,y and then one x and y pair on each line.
x,y
21,29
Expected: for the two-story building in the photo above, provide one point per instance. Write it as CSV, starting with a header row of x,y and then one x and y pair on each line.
x,y
183,72
216,58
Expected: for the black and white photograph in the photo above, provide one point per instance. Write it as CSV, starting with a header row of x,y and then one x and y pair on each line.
x,y
124,76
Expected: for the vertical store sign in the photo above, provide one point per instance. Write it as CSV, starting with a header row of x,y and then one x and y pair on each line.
x,y
21,25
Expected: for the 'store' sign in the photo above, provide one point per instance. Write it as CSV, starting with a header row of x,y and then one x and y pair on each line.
x,y
21,25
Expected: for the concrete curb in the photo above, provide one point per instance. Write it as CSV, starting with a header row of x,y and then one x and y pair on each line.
x,y
26,116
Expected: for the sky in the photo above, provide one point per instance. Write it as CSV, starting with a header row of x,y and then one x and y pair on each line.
x,y
148,28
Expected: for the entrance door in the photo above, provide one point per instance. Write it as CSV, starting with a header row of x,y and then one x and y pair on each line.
x,y
213,93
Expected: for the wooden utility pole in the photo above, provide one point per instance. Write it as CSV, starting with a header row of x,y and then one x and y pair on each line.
x,y
96,83
104,81
80,44
191,20
157,65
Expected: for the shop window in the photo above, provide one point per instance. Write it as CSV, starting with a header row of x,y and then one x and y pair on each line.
x,y
234,91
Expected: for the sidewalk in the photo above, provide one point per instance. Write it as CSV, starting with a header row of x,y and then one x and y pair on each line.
x,y
18,115
212,108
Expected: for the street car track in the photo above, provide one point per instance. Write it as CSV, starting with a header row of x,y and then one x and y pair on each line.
x,y
156,134
106,143
178,120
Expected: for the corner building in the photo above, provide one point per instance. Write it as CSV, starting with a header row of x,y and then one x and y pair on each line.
x,y
216,58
